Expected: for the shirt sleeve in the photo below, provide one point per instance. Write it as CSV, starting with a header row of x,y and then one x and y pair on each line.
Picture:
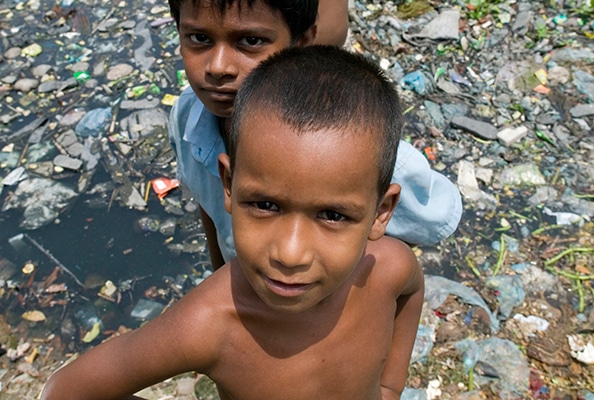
x,y
430,205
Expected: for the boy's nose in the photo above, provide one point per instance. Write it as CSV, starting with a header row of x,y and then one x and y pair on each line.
x,y
221,63
292,245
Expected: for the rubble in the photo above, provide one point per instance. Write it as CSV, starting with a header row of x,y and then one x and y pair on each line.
x,y
498,95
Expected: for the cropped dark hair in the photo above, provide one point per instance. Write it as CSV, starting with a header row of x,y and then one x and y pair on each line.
x,y
321,87
299,15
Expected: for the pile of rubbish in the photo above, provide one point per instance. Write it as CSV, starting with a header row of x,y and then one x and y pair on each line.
x,y
97,236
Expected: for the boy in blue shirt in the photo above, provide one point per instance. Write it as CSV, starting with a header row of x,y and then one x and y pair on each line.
x,y
319,303
221,42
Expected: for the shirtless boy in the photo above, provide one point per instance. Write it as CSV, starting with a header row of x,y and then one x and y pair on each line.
x,y
221,42
319,303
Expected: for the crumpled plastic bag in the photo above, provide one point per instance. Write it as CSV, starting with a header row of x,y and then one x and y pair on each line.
x,y
438,288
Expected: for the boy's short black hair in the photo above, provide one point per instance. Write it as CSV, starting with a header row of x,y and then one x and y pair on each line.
x,y
320,87
299,15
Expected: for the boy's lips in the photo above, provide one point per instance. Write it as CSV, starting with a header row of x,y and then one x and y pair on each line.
x,y
220,94
286,289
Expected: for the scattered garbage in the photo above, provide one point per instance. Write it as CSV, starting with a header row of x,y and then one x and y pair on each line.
x,y
97,236
499,361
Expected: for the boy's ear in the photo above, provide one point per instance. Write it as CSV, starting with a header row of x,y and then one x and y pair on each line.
x,y
226,177
309,36
384,212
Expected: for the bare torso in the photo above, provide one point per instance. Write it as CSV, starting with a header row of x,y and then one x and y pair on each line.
x,y
334,352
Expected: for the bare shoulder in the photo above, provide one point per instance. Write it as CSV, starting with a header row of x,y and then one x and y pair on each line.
x,y
396,264
194,328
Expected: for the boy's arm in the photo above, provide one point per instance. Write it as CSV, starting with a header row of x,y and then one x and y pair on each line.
x,y
216,256
333,22
408,312
177,341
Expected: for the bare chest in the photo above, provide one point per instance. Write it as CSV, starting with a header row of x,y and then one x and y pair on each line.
x,y
338,359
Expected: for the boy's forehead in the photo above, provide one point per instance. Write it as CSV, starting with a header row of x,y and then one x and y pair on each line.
x,y
265,120
250,14
223,6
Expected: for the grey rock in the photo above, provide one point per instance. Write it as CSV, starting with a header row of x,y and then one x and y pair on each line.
x,y
13,52
25,85
49,86
145,122
509,136
543,195
72,118
435,112
572,54
139,104
40,70
562,133
477,128
118,71
67,162
80,67
69,83
450,110
522,22
584,82
128,24
547,119
448,87
582,110
558,76
444,26
107,24
10,79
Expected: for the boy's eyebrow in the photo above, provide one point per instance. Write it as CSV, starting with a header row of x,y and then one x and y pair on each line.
x,y
244,31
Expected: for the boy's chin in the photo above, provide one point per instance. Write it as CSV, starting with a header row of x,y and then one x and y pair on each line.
x,y
219,108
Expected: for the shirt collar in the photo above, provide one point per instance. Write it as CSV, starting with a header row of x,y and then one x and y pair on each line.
x,y
202,132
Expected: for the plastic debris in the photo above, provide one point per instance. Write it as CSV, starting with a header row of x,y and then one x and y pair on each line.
x,y
510,292
437,289
418,81
146,309
34,316
582,347
162,186
521,68
92,334
94,122
504,357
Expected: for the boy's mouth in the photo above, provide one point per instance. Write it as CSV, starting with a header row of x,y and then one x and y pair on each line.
x,y
286,289
220,94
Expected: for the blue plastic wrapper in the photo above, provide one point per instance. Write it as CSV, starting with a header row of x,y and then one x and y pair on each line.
x,y
94,123
417,81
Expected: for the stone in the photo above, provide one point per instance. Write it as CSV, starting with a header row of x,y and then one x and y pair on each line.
x,y
478,128
67,162
49,86
558,76
509,136
40,70
25,85
13,52
119,71
582,110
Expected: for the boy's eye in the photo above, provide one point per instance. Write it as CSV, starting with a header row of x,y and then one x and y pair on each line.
x,y
332,216
251,41
199,38
266,206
